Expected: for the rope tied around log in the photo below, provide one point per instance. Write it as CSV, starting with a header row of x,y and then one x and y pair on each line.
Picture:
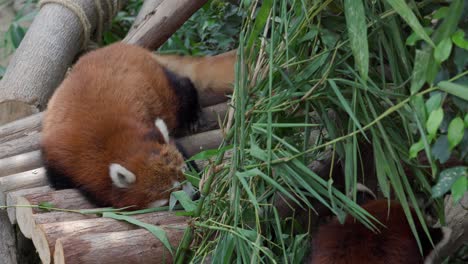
x,y
112,7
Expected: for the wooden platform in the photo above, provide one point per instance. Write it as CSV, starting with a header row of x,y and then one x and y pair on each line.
x,y
63,236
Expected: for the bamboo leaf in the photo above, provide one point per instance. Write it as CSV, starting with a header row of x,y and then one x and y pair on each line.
x,y
157,231
184,200
405,12
419,70
260,21
357,32
345,105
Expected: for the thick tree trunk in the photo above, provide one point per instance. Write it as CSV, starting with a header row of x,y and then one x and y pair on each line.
x,y
40,62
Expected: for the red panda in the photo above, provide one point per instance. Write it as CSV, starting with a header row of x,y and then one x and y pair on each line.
x,y
106,128
353,243
213,76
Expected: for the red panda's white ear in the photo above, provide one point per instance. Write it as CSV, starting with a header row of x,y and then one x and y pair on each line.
x,y
161,125
121,177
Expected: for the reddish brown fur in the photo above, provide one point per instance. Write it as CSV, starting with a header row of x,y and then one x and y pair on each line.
x,y
213,76
353,243
102,113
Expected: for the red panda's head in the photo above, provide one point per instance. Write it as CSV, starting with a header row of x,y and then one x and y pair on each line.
x,y
147,171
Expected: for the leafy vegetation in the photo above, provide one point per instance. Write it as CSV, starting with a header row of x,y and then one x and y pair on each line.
x,y
326,76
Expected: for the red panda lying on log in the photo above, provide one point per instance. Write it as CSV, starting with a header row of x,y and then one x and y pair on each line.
x,y
353,243
106,128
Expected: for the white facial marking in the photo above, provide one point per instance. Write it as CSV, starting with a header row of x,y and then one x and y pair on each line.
x,y
161,125
158,203
121,177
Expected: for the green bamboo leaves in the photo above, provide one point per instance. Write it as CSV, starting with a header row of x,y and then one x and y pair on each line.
x,y
405,12
357,32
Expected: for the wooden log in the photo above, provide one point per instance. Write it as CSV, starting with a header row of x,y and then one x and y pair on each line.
x,y
20,163
200,142
168,16
11,199
23,180
20,145
45,235
64,199
20,128
146,10
7,240
136,246
39,64
456,217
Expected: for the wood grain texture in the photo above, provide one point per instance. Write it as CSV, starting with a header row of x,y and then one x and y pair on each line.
x,y
136,246
168,16
45,235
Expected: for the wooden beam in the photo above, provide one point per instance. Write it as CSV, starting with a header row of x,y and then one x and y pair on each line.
x,y
44,236
20,163
64,199
166,18
136,246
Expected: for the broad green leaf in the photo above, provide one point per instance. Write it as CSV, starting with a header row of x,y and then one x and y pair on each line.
x,y
415,148
455,132
434,102
413,38
441,13
442,50
419,70
458,39
405,12
447,178
157,231
434,121
466,120
184,200
454,89
459,188
441,149
357,32
16,34
450,23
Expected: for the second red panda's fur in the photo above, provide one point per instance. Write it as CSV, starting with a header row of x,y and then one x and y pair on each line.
x,y
104,113
353,243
